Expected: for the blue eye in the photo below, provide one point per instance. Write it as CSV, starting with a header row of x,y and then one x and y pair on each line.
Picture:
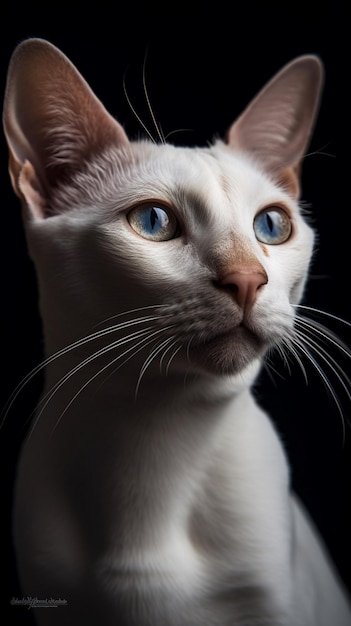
x,y
153,221
272,226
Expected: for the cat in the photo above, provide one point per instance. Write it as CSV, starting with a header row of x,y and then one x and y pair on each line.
x,y
152,489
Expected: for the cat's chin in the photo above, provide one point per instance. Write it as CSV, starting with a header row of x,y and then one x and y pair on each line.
x,y
229,353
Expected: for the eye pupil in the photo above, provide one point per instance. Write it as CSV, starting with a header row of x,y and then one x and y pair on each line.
x,y
269,222
153,218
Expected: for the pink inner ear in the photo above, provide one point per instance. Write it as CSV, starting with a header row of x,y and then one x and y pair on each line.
x,y
276,126
52,119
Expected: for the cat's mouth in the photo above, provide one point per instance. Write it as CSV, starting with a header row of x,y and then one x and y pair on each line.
x,y
240,337
222,340
229,351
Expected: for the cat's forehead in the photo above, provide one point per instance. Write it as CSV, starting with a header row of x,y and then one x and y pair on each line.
x,y
208,172
190,167
208,176
211,180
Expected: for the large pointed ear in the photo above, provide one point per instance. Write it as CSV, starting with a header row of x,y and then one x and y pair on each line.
x,y
53,123
276,126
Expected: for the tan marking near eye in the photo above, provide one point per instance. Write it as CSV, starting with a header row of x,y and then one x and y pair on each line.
x,y
264,249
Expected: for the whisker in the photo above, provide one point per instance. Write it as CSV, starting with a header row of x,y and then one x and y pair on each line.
x,y
135,113
128,359
172,357
268,365
166,351
157,126
179,130
283,355
299,343
188,348
129,311
149,360
318,330
52,392
145,341
314,327
63,351
322,313
320,151
289,343
328,359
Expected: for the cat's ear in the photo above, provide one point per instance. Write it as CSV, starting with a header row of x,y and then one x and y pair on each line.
x,y
276,126
53,123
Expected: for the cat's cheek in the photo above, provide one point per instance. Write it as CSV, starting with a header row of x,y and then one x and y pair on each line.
x,y
161,267
296,291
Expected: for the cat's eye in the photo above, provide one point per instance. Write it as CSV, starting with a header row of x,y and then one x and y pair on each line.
x,y
272,226
154,221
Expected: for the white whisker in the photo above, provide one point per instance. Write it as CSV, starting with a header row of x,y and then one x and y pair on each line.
x,y
179,130
283,355
268,365
73,346
289,343
166,351
157,126
149,360
135,113
329,360
130,311
188,348
300,344
52,392
171,358
307,339
322,313
145,341
314,327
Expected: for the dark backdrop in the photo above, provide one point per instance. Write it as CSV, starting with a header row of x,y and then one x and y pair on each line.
x,y
202,67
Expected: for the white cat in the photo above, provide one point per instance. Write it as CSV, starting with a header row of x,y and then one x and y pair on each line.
x,y
152,490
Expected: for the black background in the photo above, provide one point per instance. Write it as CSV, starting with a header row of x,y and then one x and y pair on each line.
x,y
202,67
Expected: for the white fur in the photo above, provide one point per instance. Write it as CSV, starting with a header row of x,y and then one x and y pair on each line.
x,y
164,500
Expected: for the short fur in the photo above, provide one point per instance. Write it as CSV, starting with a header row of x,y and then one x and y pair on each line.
x,y
152,489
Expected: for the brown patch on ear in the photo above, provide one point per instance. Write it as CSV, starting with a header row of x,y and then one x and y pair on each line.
x,y
14,171
288,179
31,193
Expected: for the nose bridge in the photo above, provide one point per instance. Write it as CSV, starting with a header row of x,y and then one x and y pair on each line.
x,y
240,272
230,255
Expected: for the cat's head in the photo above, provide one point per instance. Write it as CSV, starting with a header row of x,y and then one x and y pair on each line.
x,y
214,235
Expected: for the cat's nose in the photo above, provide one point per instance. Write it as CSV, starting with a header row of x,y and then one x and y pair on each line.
x,y
244,283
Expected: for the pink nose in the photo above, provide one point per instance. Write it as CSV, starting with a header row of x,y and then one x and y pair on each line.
x,y
244,283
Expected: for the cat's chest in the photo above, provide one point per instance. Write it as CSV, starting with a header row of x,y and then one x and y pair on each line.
x,y
182,585
175,519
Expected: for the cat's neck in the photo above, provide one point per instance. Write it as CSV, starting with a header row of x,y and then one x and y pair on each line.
x,y
154,451
173,417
